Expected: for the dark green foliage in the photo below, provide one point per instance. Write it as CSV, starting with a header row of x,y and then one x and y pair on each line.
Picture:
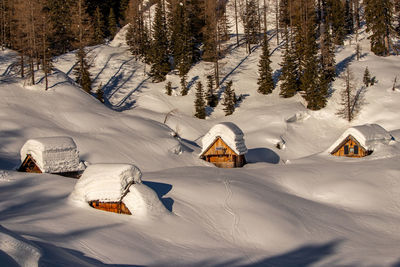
x,y
81,71
229,99
327,57
168,88
184,88
379,16
349,19
159,47
199,102
265,81
112,23
212,98
100,94
367,78
61,38
335,17
98,26
251,21
289,76
137,36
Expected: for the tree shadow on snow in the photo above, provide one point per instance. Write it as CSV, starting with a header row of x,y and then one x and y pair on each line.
x,y
162,189
256,155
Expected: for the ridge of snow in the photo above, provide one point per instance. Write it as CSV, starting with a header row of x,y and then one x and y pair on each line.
x,y
230,133
52,154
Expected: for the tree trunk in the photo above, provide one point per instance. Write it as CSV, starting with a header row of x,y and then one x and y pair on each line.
x,y
236,24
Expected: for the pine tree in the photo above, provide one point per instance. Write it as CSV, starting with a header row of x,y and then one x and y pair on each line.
x,y
184,88
289,77
212,98
335,11
349,19
168,88
313,93
98,26
367,78
265,81
251,23
159,50
137,36
81,71
199,103
379,16
112,23
327,56
229,99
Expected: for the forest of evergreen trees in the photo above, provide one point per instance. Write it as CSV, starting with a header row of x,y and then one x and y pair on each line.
x,y
183,32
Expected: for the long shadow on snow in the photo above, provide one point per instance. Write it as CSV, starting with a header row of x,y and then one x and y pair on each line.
x,y
256,155
301,257
161,190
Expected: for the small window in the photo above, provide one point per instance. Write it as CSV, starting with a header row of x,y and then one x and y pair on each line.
x,y
356,150
346,149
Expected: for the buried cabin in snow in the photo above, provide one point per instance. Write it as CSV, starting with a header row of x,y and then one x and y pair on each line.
x,y
224,146
116,188
56,155
360,141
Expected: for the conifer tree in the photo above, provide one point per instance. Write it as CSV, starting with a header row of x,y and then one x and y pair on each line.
x,y
112,23
265,81
379,18
327,55
159,49
184,88
367,77
199,103
314,94
98,27
335,11
349,19
251,23
212,98
229,99
289,77
137,36
168,88
100,93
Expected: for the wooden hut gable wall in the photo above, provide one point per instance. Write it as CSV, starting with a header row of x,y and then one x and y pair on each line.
x,y
350,141
219,147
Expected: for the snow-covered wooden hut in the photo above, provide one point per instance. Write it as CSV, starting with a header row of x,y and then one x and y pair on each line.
x,y
116,188
360,141
224,146
58,155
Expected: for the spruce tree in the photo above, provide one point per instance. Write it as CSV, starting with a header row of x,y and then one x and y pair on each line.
x,y
112,23
367,77
379,19
184,88
251,23
137,36
81,71
229,99
98,26
265,81
168,88
335,11
159,48
199,103
289,78
212,98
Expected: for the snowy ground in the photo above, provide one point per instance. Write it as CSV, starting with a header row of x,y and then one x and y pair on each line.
x,y
292,207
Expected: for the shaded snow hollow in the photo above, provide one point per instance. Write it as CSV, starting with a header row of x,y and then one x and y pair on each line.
x,y
53,154
230,133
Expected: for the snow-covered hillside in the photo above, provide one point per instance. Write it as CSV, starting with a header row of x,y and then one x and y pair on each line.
x,y
296,206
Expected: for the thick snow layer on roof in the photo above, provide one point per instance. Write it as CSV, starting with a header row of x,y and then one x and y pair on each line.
x,y
143,202
106,182
53,154
369,136
230,134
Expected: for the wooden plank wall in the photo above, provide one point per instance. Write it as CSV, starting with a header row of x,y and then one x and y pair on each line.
x,y
116,207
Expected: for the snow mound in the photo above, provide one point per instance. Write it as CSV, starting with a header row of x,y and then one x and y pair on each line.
x,y
106,182
120,38
17,250
370,136
143,202
230,133
53,154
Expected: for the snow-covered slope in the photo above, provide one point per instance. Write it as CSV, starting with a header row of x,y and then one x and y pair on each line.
x,y
292,207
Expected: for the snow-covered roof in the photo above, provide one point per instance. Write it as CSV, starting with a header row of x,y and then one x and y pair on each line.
x,y
368,135
52,154
230,133
106,182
